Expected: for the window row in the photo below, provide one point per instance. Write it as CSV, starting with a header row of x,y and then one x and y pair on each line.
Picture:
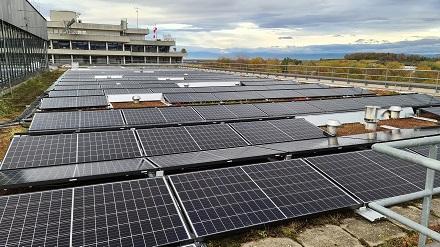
x,y
86,60
110,46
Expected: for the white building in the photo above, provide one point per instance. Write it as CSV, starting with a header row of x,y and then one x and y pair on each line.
x,y
71,40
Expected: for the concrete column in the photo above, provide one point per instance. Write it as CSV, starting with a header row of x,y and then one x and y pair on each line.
x,y
71,58
170,60
123,59
52,58
145,59
70,42
157,60
157,49
88,42
108,59
106,48
90,57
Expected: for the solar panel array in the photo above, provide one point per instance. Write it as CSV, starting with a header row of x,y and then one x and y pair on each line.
x,y
147,212
51,174
170,115
76,120
133,213
367,175
222,200
73,102
52,150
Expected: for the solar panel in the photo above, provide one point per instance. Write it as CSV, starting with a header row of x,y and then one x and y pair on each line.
x,y
109,118
326,105
183,90
132,213
162,90
160,141
178,98
37,219
109,145
424,99
290,94
348,104
55,121
77,87
260,132
248,88
297,189
214,112
312,86
55,94
116,91
92,101
180,114
276,109
25,177
432,110
139,91
271,94
411,172
362,177
185,159
300,107
228,96
203,97
51,174
282,87
143,116
222,200
215,136
35,151
245,110
56,103
298,128
311,93
249,95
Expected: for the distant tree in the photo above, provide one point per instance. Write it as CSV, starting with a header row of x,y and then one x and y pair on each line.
x,y
183,50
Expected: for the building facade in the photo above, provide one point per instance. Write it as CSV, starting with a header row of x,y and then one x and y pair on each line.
x,y
71,40
23,42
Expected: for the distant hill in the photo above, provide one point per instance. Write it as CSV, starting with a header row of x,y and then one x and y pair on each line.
x,y
265,55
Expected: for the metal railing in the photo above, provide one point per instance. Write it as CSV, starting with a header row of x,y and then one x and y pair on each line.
x,y
431,164
385,76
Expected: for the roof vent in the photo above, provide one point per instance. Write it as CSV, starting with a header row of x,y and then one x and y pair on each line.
x,y
186,85
395,111
136,99
332,126
371,117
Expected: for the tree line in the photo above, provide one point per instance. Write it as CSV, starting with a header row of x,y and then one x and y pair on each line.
x,y
390,57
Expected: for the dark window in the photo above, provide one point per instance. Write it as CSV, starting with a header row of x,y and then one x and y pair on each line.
x,y
164,49
151,48
80,45
60,44
115,46
137,48
97,45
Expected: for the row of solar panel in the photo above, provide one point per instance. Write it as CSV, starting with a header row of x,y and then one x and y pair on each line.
x,y
97,101
130,90
174,88
73,102
144,212
157,116
261,95
209,158
46,150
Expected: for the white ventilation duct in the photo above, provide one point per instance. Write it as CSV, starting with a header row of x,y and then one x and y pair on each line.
x,y
136,99
371,117
332,126
395,111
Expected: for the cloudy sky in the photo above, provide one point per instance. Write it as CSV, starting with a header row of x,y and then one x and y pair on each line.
x,y
276,27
